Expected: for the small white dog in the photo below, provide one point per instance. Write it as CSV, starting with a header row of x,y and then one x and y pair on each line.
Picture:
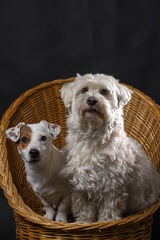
x,y
43,164
110,173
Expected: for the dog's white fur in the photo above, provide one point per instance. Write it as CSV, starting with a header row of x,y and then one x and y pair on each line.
x,y
110,173
43,164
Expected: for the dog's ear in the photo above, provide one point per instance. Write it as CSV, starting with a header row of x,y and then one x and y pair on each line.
x,y
13,133
124,95
53,129
78,75
67,93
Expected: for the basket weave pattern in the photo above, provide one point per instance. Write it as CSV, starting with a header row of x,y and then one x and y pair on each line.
x,y
142,122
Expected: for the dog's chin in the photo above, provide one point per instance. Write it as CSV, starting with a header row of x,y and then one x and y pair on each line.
x,y
92,113
33,160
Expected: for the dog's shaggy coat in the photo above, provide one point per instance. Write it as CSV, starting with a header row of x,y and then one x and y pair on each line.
x,y
110,174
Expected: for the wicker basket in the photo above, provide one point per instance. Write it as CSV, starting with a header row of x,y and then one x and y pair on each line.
x,y
142,122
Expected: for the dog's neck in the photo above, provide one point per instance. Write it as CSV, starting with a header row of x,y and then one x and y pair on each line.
x,y
98,135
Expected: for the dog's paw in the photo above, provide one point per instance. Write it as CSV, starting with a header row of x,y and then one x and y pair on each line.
x,y
44,209
61,217
108,219
50,214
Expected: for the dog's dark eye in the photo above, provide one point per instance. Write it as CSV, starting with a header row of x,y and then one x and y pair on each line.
x,y
104,92
43,138
84,90
24,140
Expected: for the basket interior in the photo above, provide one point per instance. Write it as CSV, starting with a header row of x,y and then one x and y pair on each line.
x,y
141,116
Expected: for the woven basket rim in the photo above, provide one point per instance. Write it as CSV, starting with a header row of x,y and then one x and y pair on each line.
x,y
22,209
34,89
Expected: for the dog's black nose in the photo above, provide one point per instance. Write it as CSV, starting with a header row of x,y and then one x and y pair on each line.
x,y
34,153
92,101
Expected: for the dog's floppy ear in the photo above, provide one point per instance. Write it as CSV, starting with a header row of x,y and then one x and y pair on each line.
x,y
53,129
67,93
124,95
13,133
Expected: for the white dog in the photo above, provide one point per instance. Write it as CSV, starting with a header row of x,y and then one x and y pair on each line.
x,y
43,163
110,173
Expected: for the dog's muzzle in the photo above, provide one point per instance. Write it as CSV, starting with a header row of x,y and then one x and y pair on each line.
x,y
92,101
34,155
92,107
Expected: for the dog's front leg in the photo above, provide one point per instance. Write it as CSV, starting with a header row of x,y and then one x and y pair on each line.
x,y
111,207
50,212
82,207
63,209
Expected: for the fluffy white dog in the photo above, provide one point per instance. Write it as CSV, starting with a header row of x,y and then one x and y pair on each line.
x,y
43,165
110,173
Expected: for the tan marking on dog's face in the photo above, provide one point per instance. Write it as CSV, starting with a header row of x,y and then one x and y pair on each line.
x,y
25,137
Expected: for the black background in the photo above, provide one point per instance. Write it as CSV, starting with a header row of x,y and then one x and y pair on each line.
x,y
44,40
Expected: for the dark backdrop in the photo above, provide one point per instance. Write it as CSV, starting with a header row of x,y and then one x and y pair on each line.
x,y
44,40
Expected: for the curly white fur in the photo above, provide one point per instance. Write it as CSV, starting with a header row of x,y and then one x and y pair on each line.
x,y
110,173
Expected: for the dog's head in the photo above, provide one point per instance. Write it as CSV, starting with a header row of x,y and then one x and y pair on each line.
x,y
34,141
95,101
